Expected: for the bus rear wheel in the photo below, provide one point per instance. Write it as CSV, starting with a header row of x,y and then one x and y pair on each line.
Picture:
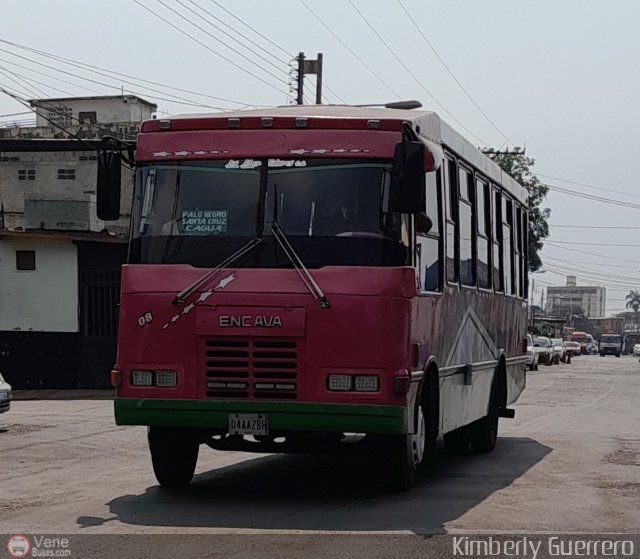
x,y
457,441
483,433
174,453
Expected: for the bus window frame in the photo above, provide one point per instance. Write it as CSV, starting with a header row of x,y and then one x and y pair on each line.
x,y
439,238
470,199
487,214
451,217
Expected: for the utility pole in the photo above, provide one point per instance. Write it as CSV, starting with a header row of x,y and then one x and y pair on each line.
x,y
309,67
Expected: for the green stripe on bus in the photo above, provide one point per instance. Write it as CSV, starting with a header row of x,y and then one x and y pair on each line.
x,y
289,416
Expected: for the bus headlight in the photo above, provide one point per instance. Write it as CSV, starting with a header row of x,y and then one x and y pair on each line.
x,y
339,383
366,383
161,379
141,378
166,379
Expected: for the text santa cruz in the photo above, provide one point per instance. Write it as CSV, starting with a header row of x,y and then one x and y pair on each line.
x,y
248,321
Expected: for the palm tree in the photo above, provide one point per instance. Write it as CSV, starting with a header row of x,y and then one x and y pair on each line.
x,y
633,302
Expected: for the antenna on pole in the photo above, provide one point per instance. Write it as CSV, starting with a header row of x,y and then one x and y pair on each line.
x,y
309,67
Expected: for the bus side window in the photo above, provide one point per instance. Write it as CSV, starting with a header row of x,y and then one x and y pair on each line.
x,y
519,252
452,234
483,209
507,245
525,250
498,262
466,227
428,243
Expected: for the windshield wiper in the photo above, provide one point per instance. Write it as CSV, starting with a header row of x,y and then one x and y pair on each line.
x,y
302,270
242,251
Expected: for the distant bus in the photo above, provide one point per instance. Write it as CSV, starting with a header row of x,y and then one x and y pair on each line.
x,y
583,339
298,275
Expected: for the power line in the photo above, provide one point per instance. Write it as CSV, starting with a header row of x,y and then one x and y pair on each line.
x,y
426,40
587,185
586,263
594,226
595,244
593,198
175,98
24,102
91,68
278,68
190,36
360,60
401,62
288,54
551,243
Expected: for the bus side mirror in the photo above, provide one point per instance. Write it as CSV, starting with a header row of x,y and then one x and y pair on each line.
x,y
408,178
109,185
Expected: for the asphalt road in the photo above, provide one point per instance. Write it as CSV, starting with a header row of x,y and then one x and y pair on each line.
x,y
568,462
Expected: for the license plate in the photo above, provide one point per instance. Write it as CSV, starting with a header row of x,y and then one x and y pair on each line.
x,y
3,395
248,424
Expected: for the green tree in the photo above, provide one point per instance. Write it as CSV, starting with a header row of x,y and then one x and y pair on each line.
x,y
518,165
633,302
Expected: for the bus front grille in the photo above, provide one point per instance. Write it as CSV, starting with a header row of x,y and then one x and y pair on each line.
x,y
251,368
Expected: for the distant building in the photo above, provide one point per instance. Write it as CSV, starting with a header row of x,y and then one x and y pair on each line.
x,y
572,299
59,264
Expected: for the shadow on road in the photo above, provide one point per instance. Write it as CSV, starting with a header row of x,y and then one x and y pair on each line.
x,y
306,493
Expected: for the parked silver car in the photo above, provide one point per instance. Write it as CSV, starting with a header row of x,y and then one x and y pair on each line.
x,y
6,395
544,348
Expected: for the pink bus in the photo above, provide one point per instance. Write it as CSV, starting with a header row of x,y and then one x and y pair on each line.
x,y
300,276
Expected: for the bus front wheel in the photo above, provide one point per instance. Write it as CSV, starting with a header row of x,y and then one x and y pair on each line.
x,y
174,453
403,455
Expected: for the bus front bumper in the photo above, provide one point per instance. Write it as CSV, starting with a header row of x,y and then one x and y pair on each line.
x,y
289,416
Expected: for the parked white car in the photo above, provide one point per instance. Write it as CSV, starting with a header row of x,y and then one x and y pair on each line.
x,y
558,350
6,395
532,355
544,348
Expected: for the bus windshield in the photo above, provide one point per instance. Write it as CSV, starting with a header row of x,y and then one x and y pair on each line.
x,y
334,212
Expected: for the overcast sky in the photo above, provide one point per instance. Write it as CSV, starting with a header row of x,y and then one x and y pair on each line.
x,y
557,76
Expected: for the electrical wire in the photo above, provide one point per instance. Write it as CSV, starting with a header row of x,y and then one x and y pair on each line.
x,y
588,185
173,98
217,40
606,257
580,243
25,102
360,60
446,67
94,69
410,72
592,197
217,27
595,226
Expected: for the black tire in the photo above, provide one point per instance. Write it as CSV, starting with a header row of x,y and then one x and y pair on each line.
x,y
174,453
457,441
536,366
402,455
483,434
617,355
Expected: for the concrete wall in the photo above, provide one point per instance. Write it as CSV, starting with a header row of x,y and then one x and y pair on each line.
x,y
47,201
66,111
43,300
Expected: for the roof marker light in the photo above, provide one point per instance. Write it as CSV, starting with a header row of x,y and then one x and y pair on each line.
x,y
373,124
266,122
302,122
233,122
165,124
